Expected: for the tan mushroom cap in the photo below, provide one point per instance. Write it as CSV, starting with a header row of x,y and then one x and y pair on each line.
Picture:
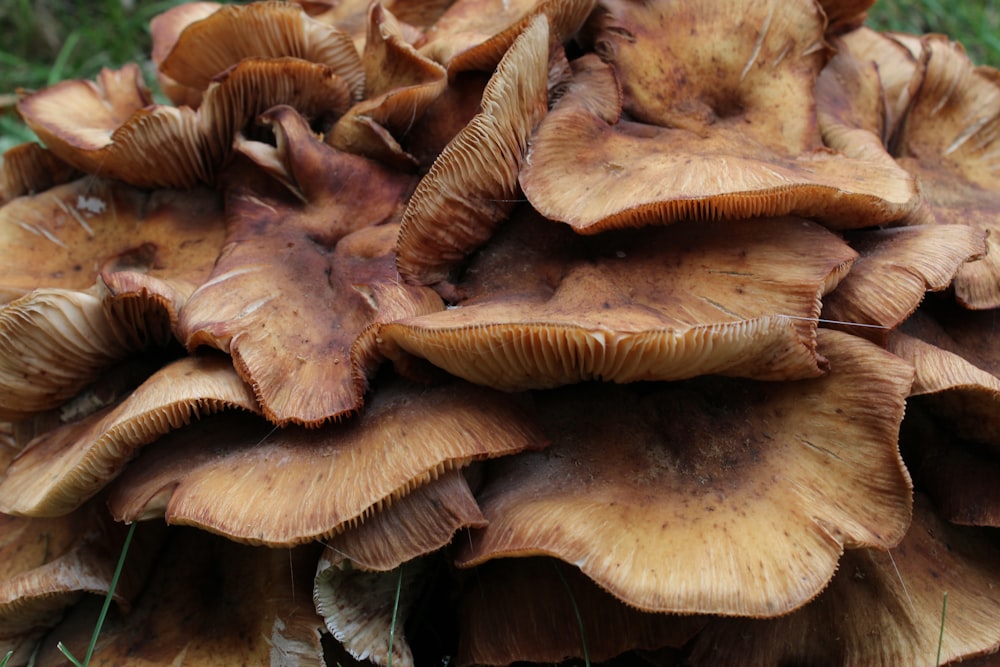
x,y
47,564
717,64
412,526
594,169
210,602
882,608
949,141
66,236
399,86
164,29
29,168
543,307
472,186
367,611
504,620
897,70
896,267
245,479
303,278
55,342
950,381
75,119
713,496
264,30
475,34
60,470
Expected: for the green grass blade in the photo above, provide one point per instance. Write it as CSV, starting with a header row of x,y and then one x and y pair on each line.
x,y
944,610
395,611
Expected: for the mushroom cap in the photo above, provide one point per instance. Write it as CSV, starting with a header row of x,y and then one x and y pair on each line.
x,y
55,342
472,185
76,119
212,603
594,169
882,607
264,30
948,139
475,34
29,168
951,381
164,29
894,270
713,496
366,611
412,526
222,473
543,307
399,86
61,469
302,279
66,236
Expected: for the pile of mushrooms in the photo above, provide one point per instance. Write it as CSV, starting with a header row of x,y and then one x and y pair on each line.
x,y
485,331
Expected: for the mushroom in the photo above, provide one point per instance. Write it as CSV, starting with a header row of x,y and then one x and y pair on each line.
x,y
723,127
246,479
749,492
301,280
542,306
715,496
64,467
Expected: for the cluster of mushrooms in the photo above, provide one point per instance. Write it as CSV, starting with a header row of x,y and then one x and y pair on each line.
x,y
488,331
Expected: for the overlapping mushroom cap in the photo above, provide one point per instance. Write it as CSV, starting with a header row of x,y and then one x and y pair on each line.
x,y
359,235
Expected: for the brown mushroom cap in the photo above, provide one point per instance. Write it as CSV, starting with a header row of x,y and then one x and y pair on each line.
x,y
951,381
595,170
472,185
949,140
399,86
504,621
63,468
75,119
414,525
264,30
257,484
713,496
882,607
212,603
475,34
303,278
896,267
66,236
28,168
55,342
164,29
543,307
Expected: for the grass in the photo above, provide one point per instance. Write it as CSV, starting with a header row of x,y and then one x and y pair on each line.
x,y
45,41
